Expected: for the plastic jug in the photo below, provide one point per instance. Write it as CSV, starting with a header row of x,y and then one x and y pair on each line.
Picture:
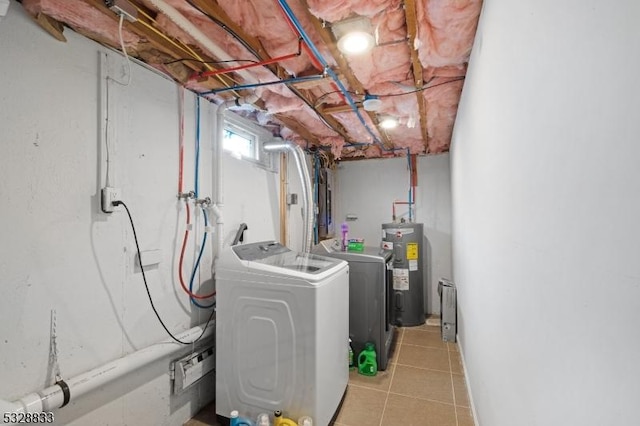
x,y
367,361
236,420
279,420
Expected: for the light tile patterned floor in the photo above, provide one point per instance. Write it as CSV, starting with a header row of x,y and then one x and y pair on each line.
x,y
423,386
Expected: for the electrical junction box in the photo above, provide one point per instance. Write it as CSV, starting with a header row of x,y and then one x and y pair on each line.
x,y
449,310
292,199
188,370
123,8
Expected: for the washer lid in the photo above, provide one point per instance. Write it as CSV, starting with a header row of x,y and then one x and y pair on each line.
x,y
274,257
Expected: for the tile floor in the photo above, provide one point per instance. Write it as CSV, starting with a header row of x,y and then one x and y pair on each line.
x,y
423,386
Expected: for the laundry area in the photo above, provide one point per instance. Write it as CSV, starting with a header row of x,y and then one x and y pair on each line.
x,y
314,213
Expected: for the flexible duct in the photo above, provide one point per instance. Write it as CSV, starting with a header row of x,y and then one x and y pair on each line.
x,y
53,397
303,171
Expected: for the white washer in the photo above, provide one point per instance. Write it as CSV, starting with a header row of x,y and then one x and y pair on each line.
x,y
282,332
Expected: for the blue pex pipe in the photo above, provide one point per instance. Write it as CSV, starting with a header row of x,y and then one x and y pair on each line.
x,y
287,10
266,83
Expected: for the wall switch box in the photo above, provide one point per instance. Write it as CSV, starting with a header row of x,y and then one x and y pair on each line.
x,y
109,195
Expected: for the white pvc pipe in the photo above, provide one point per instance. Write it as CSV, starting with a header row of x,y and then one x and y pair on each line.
x,y
218,193
52,398
303,171
181,21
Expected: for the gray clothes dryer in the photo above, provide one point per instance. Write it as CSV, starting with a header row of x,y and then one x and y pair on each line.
x,y
369,296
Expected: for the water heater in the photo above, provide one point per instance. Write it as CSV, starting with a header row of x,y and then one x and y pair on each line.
x,y
405,239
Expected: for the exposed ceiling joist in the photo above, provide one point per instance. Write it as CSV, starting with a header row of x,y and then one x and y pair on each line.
x,y
298,128
412,31
158,40
183,37
215,11
344,67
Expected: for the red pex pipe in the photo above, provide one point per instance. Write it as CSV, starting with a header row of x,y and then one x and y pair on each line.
x,y
242,67
184,246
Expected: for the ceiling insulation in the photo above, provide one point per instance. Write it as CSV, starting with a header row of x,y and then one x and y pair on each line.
x,y
416,69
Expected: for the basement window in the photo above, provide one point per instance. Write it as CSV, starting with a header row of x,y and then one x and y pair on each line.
x,y
243,139
239,142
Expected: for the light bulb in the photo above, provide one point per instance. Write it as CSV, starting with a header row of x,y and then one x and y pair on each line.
x,y
388,123
355,42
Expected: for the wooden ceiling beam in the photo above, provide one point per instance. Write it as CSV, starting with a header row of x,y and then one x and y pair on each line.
x,y
215,11
412,30
294,125
339,108
327,36
142,31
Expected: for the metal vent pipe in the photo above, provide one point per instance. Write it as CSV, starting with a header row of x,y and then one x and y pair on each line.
x,y
279,145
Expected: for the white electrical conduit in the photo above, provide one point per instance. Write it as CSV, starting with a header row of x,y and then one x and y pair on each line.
x,y
52,398
303,171
218,195
181,21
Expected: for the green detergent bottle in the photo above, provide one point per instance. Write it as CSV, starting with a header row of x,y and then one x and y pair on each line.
x,y
367,362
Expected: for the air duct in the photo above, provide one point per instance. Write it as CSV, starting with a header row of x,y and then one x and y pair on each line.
x,y
303,171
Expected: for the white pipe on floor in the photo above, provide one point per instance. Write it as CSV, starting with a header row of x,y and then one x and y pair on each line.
x,y
52,398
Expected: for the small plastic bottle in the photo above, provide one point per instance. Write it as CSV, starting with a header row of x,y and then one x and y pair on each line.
x,y
305,421
279,420
345,233
263,420
352,365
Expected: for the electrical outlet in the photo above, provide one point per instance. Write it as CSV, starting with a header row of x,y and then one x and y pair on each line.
x,y
109,195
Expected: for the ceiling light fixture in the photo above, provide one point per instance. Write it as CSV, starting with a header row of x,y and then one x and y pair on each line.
x,y
371,103
354,35
389,123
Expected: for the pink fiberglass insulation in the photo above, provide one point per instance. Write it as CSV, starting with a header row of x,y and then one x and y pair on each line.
x,y
264,20
446,31
382,64
442,106
356,130
81,16
338,10
214,32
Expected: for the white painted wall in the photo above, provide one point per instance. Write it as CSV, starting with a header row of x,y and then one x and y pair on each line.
x,y
545,182
368,189
58,252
